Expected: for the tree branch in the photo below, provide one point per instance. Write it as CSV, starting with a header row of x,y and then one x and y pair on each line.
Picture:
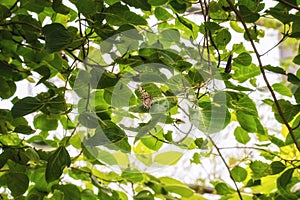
x,y
289,4
278,107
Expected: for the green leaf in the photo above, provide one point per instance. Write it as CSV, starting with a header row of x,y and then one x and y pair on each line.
x,y
259,169
144,195
223,189
143,4
89,120
210,119
222,38
243,73
17,183
24,129
107,133
179,7
182,190
277,167
246,121
241,135
247,105
59,159
212,26
296,60
235,26
84,7
288,110
157,2
45,122
185,22
152,142
8,88
293,79
107,79
170,35
71,192
277,70
162,14
4,12
282,89
243,59
285,178
57,37
239,174
59,7
26,106
132,175
118,15
168,158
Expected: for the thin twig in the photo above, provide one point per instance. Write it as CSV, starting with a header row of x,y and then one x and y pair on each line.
x,y
280,41
278,107
227,167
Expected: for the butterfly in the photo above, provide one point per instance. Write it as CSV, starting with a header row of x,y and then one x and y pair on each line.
x,y
146,98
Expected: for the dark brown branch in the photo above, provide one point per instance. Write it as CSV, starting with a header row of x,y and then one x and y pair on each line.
x,y
289,4
278,107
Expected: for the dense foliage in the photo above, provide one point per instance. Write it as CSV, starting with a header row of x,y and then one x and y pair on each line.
x,y
125,86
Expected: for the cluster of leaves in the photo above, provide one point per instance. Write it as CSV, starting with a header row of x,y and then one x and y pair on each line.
x,y
48,43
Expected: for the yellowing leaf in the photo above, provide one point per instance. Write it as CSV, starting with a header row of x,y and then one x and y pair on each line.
x,y
168,158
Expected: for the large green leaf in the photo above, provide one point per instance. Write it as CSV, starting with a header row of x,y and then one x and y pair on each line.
x,y
57,37
17,183
59,159
26,106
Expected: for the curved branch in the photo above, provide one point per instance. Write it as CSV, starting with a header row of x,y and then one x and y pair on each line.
x,y
278,107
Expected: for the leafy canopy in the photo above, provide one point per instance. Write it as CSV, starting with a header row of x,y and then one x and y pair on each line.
x,y
134,85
